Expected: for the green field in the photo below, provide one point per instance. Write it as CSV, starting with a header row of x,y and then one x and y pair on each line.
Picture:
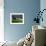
x,y
18,20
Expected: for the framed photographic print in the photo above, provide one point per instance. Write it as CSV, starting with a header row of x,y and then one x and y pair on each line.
x,y
16,18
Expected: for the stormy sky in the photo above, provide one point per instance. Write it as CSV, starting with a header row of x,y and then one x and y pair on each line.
x,y
17,16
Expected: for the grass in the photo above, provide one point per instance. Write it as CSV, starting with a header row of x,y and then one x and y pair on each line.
x,y
18,20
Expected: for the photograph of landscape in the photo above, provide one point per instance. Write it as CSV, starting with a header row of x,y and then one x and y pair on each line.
x,y
16,18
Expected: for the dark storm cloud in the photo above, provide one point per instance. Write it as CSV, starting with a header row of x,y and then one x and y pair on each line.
x,y
17,16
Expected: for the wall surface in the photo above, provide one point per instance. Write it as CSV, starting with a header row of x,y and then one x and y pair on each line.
x,y
43,6
29,8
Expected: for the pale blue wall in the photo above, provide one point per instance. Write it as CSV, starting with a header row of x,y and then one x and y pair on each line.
x,y
29,8
43,6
